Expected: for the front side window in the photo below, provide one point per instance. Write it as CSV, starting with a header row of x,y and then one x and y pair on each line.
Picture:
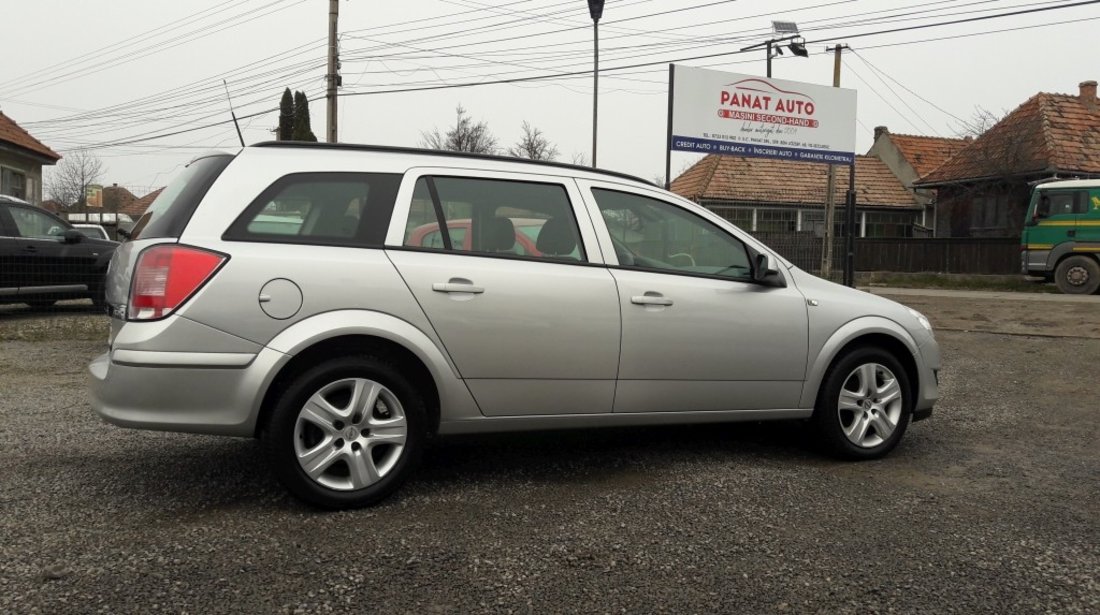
x,y
36,224
496,217
1061,203
651,234
324,208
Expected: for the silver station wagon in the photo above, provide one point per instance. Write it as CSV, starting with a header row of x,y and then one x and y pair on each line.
x,y
347,303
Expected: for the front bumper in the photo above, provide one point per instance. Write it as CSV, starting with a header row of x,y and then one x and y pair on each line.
x,y
184,393
928,368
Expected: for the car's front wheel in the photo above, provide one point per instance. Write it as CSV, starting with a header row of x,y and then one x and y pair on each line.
x,y
346,433
864,405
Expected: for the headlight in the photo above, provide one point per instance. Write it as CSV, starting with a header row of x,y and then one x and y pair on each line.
x,y
921,319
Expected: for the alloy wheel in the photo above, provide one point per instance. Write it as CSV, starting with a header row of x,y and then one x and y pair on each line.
x,y
350,434
870,405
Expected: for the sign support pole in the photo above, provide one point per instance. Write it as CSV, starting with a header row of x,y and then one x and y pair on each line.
x,y
850,258
668,135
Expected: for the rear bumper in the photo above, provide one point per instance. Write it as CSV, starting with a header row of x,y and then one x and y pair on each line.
x,y
214,394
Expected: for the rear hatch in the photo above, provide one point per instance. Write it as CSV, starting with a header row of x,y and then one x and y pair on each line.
x,y
163,222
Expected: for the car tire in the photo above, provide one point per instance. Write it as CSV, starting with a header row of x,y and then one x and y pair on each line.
x,y
331,450
99,298
856,422
1078,275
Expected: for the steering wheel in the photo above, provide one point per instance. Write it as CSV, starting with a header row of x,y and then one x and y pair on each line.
x,y
690,258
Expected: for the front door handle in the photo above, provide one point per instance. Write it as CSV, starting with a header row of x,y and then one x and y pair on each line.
x,y
457,287
650,298
30,249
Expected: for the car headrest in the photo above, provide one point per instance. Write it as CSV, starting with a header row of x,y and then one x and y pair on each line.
x,y
557,237
498,235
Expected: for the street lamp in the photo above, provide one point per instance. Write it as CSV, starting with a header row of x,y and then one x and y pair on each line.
x,y
595,9
784,31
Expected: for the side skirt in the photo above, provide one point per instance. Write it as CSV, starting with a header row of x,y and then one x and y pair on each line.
x,y
618,419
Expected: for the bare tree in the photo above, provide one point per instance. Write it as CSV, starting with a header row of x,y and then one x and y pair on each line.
x,y
982,120
68,182
580,159
464,136
533,145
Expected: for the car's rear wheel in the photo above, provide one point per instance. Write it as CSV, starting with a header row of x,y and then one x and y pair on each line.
x,y
1078,275
346,433
864,405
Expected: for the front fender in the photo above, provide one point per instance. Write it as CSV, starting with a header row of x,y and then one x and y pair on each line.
x,y
840,338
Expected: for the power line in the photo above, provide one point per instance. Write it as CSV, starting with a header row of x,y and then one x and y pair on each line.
x,y
573,74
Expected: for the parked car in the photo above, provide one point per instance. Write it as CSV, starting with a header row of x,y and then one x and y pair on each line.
x,y
95,231
43,259
526,232
286,292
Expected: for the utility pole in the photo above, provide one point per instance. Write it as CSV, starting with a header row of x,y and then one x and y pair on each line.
x,y
595,10
830,185
333,76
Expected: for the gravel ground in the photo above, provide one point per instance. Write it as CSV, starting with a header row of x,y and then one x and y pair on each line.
x,y
990,506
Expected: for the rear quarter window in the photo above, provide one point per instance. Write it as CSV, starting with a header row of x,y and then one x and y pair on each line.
x,y
350,209
170,212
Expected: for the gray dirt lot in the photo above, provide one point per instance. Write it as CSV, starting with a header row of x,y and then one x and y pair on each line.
x,y
991,506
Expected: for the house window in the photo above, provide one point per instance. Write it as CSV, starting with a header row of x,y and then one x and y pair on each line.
x,y
741,216
889,224
814,221
13,183
776,220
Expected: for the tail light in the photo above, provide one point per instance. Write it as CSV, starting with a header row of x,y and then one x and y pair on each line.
x,y
167,276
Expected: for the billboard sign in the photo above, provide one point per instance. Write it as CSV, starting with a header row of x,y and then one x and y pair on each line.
x,y
713,112
93,195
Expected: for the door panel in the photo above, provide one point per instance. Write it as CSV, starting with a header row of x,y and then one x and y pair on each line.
x,y
505,319
9,247
718,345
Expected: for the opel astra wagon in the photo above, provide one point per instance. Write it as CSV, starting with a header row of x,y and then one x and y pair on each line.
x,y
289,292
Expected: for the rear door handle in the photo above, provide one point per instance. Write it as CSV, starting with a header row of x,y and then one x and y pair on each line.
x,y
457,287
30,249
650,299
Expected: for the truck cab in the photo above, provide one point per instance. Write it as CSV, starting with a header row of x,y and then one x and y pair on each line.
x,y
1061,237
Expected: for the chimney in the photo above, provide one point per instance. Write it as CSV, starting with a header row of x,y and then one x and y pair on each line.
x,y
1088,91
882,130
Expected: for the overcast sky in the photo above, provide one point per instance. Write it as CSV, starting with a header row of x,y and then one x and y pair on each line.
x,y
97,73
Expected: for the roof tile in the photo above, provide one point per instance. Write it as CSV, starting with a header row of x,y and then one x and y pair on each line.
x,y
11,132
767,181
1048,133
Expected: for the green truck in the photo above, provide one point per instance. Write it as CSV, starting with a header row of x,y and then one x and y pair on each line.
x,y
1061,238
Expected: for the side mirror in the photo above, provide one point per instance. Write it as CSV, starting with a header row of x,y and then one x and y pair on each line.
x,y
123,233
72,236
764,273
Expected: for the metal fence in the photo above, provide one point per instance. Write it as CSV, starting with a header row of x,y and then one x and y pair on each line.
x,y
962,255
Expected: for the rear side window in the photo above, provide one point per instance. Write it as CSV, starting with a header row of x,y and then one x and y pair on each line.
x,y
492,216
169,213
321,208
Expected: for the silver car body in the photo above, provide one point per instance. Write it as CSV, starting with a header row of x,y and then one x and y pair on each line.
x,y
546,345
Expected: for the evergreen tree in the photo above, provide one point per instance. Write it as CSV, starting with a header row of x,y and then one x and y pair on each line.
x,y
302,130
286,117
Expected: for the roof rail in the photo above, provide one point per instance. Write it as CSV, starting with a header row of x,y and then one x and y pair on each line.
x,y
447,153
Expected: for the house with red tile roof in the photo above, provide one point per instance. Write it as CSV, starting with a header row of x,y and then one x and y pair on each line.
x,y
983,190
137,207
764,195
21,160
911,157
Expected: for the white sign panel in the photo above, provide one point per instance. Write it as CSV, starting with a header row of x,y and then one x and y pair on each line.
x,y
744,115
